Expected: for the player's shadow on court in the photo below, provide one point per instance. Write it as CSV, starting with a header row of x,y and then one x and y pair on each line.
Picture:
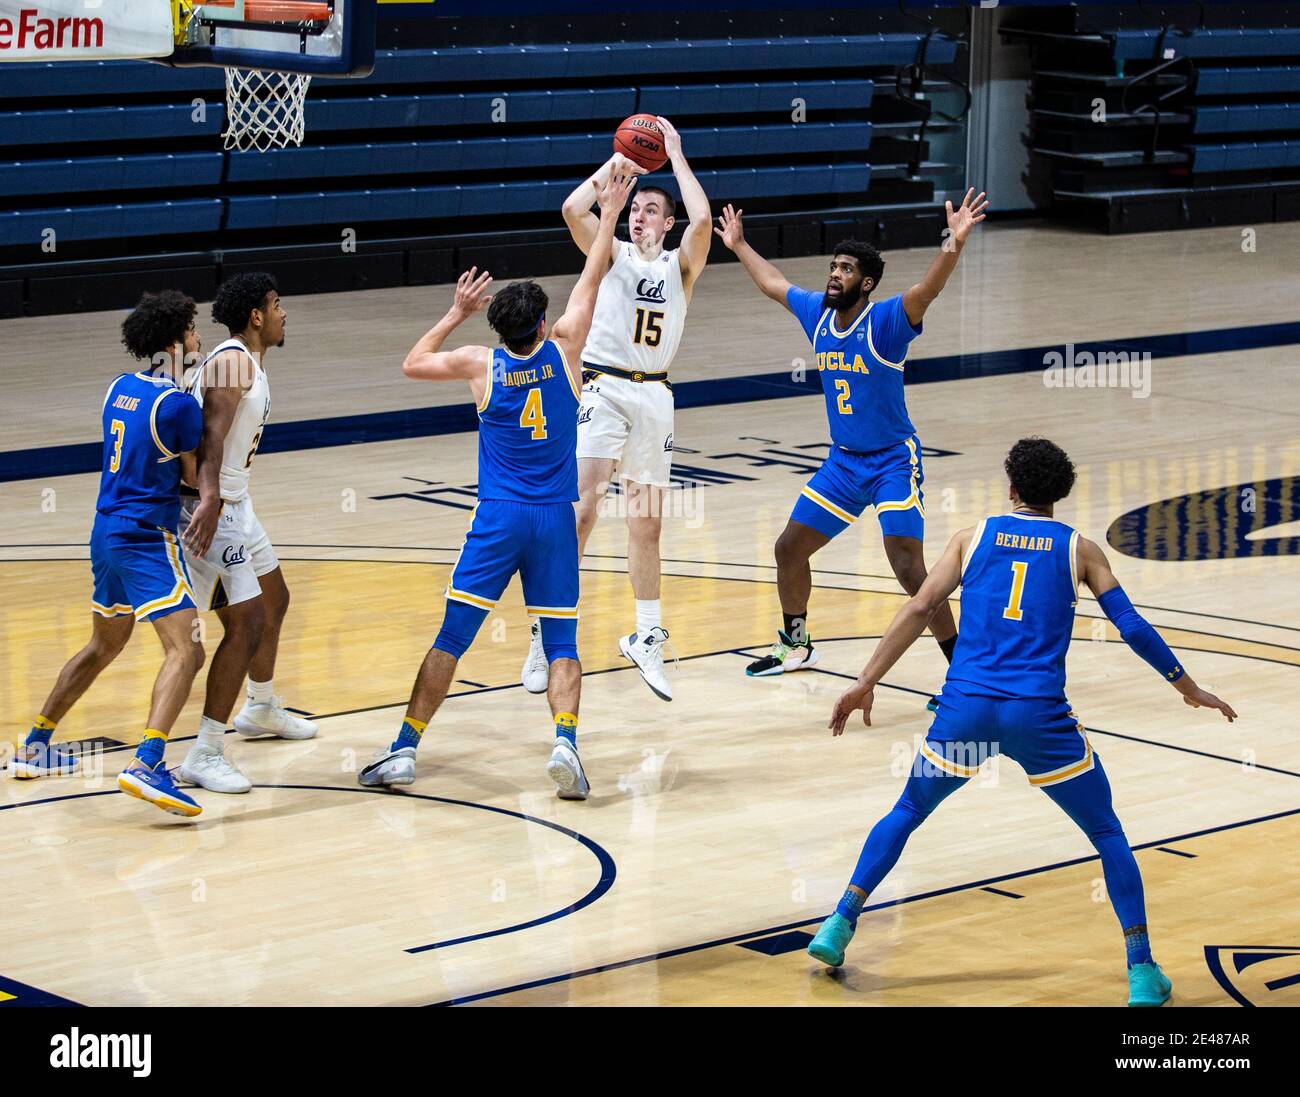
x,y
864,981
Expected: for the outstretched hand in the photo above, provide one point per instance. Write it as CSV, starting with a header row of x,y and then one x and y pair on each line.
x,y
470,289
1200,698
966,216
857,696
672,139
730,228
611,196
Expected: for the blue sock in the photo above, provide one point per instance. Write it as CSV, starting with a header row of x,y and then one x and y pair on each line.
x,y
410,735
1138,945
150,750
850,906
566,727
40,734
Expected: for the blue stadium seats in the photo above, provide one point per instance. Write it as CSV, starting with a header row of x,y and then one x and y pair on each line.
x,y
106,174
111,222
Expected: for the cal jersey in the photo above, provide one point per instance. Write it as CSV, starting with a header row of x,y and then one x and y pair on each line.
x,y
640,312
528,428
148,422
250,417
1019,589
861,369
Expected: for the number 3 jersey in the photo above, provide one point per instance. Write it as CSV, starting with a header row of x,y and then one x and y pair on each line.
x,y
250,416
1019,587
148,423
528,428
640,312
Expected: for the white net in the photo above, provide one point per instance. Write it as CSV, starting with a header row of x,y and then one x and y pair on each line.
x,y
265,110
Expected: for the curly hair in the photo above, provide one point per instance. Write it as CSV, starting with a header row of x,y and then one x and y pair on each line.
x,y
515,312
870,261
1040,471
238,296
159,321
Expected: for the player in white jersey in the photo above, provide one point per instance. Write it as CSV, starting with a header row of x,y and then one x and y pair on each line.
x,y
239,576
625,423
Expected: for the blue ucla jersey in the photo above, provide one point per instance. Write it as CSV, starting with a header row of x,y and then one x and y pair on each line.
x,y
528,428
148,423
1018,592
861,369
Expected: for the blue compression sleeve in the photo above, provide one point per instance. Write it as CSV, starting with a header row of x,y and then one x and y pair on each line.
x,y
1138,634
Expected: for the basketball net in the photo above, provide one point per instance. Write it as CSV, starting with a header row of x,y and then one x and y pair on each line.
x,y
265,110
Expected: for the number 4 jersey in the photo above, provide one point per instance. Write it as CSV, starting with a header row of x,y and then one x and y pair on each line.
x,y
528,427
1019,587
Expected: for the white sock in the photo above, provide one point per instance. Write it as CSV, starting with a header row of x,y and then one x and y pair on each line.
x,y
212,734
647,615
261,692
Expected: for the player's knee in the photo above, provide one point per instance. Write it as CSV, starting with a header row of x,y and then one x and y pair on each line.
x,y
195,658
460,624
909,571
789,552
559,638
645,528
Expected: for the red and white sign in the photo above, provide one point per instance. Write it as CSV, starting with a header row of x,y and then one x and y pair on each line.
x,y
84,30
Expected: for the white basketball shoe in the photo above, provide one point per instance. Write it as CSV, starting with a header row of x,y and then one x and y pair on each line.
x,y
536,676
390,767
646,652
211,769
565,769
272,718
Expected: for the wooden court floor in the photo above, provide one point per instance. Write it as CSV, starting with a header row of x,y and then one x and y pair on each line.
x,y
723,826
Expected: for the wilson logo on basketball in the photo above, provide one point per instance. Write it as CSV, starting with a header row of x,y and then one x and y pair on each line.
x,y
35,32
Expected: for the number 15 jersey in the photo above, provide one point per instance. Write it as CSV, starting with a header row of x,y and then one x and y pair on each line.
x,y
640,312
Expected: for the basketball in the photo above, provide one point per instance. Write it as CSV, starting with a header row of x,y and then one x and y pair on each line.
x,y
640,139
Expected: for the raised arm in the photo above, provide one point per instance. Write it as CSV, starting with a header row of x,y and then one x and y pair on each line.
x,y
907,625
1134,630
427,361
583,224
917,298
766,277
694,250
570,330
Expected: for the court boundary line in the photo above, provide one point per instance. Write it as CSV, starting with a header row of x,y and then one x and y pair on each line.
x,y
975,885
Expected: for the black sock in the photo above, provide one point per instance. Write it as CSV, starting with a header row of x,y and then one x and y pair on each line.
x,y
948,646
796,626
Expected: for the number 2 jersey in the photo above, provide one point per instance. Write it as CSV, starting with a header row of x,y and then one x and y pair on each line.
x,y
1019,587
640,312
148,423
251,414
528,428
861,369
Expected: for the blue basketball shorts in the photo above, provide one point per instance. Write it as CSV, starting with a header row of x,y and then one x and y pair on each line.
x,y
137,569
537,540
847,483
1041,734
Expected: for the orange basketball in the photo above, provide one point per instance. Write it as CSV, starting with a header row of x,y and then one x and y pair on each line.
x,y
640,139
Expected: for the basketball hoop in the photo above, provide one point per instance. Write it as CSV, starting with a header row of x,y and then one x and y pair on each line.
x,y
265,110
265,107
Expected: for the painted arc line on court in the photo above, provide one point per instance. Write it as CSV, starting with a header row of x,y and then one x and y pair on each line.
x,y
901,901
608,869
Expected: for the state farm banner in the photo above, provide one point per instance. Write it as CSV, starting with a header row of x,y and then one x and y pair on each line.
x,y
84,30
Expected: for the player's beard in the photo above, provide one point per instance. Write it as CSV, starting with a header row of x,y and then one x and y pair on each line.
x,y
843,300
